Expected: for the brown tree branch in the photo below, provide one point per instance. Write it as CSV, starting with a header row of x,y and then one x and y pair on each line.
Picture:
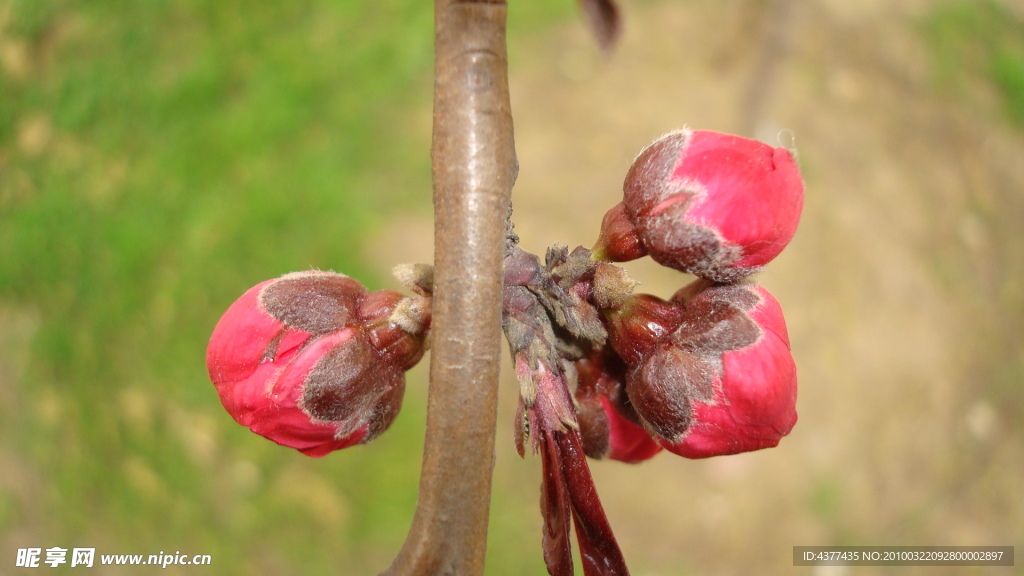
x,y
474,168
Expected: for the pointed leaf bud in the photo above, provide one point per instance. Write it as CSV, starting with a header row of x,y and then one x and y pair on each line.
x,y
310,361
714,205
611,286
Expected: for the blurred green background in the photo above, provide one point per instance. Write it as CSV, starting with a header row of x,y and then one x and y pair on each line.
x,y
159,158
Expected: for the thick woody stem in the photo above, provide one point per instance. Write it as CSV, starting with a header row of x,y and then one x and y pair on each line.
x,y
474,168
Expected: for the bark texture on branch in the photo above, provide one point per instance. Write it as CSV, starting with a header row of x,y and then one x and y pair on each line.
x,y
474,168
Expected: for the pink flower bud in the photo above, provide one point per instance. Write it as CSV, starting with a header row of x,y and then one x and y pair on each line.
x,y
310,361
609,427
711,204
709,373
754,396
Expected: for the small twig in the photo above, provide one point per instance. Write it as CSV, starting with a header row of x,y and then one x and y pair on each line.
x,y
604,21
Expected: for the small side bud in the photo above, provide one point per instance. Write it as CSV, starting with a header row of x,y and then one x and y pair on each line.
x,y
412,315
416,277
612,286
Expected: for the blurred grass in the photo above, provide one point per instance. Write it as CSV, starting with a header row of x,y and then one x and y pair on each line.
x,y
157,159
979,42
978,59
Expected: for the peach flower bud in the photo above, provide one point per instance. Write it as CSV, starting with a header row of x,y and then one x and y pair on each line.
x,y
713,205
312,361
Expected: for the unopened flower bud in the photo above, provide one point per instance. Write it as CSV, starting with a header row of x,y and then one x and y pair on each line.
x,y
310,361
713,205
609,427
754,394
710,372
